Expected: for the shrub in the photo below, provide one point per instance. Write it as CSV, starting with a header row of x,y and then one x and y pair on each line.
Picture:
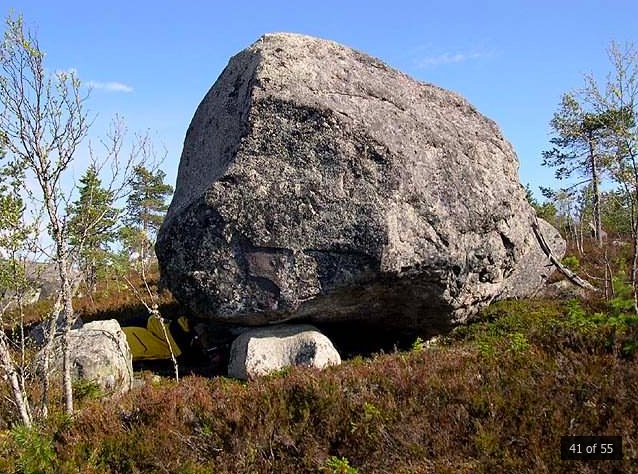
x,y
35,447
337,465
571,262
86,389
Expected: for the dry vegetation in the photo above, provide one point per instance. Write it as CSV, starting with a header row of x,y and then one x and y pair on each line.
x,y
495,396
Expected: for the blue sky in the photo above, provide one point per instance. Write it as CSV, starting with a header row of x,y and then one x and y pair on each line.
x,y
153,61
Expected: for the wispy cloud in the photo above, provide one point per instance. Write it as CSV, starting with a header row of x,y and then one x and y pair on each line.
x,y
452,58
109,86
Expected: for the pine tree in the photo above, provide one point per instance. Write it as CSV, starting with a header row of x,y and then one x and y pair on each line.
x,y
617,100
616,212
92,221
145,210
580,145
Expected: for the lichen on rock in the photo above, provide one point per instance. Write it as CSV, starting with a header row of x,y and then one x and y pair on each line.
x,y
318,184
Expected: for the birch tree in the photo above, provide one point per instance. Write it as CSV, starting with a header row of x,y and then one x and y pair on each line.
x,y
44,120
13,288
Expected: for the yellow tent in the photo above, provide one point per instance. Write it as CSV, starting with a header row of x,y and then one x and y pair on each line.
x,y
150,343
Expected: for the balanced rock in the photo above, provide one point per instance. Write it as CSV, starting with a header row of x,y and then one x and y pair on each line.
x,y
262,351
317,183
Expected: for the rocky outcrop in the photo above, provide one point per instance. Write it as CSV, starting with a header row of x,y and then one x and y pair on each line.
x,y
42,281
563,290
100,354
262,351
319,184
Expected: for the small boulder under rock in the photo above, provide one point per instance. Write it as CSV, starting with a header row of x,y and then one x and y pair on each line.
x,y
262,351
100,354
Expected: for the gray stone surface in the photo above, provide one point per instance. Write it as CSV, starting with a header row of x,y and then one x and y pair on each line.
x,y
563,289
43,282
531,272
99,353
37,335
262,351
317,183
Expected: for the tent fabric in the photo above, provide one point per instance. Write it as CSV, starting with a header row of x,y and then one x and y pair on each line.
x,y
150,343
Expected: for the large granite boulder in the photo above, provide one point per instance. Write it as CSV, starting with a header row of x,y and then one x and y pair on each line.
x,y
263,351
317,183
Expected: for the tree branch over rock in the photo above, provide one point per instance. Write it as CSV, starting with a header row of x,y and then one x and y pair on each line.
x,y
571,276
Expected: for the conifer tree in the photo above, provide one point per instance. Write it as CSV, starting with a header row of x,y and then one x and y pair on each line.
x,y
92,221
145,209
616,99
580,147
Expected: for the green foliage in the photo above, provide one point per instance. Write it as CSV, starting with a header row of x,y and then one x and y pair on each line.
x,y
576,131
485,346
577,314
91,226
622,302
146,204
195,468
338,465
418,344
616,330
11,239
86,390
571,262
36,452
145,210
515,328
529,195
583,145
92,216
15,234
546,210
284,371
518,342
616,212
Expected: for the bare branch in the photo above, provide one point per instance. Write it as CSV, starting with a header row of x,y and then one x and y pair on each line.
x,y
571,276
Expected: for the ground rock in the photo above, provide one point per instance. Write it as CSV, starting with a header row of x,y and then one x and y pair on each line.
x,y
99,353
563,290
318,184
262,351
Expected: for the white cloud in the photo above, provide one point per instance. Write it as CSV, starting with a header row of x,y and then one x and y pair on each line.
x,y
109,86
112,86
451,58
